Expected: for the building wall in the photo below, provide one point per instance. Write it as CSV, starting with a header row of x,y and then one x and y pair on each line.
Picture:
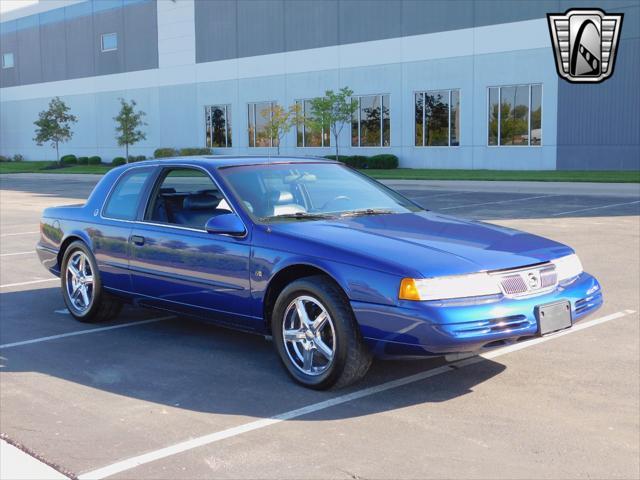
x,y
64,43
599,125
239,51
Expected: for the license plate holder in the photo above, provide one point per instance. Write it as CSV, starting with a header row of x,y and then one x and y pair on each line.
x,y
553,317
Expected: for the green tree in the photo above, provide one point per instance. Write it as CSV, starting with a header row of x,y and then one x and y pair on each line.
x,y
332,112
128,123
54,125
280,121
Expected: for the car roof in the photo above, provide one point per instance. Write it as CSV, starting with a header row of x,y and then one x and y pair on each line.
x,y
218,161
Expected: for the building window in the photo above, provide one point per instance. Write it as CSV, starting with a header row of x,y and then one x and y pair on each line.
x,y
109,42
218,126
371,124
259,119
7,60
305,136
437,118
515,115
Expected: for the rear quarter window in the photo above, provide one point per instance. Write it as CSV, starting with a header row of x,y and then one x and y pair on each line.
x,y
125,197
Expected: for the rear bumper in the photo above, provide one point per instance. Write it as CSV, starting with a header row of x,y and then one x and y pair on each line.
x,y
49,258
437,328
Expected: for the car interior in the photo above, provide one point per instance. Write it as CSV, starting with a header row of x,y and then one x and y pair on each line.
x,y
189,198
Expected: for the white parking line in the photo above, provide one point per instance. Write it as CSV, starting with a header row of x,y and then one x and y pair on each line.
x,y
16,253
83,332
136,461
17,233
30,282
498,202
595,208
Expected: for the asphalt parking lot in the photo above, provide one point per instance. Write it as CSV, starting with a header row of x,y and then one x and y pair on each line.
x,y
154,396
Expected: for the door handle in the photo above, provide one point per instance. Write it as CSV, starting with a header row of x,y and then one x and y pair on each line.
x,y
137,240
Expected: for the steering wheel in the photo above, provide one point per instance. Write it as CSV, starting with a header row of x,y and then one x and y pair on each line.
x,y
339,198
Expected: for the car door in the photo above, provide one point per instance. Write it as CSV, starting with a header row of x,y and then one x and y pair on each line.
x,y
110,237
175,263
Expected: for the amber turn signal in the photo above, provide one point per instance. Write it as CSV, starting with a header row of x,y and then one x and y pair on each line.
x,y
408,290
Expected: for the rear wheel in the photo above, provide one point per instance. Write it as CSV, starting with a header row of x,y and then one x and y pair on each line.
x,y
82,289
316,334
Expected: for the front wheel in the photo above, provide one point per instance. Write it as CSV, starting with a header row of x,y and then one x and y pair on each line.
x,y
316,335
82,289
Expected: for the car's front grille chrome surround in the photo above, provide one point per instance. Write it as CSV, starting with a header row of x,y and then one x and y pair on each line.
x,y
528,281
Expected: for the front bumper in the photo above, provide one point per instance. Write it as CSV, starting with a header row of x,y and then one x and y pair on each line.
x,y
465,325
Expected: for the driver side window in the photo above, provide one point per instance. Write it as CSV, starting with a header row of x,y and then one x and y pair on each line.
x,y
186,197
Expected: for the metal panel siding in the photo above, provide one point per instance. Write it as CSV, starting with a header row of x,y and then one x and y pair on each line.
x,y
53,48
260,27
29,66
491,12
9,43
108,21
310,24
80,47
599,125
64,43
420,17
364,20
216,30
140,40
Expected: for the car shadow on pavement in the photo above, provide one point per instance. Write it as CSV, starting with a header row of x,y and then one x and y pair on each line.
x,y
199,367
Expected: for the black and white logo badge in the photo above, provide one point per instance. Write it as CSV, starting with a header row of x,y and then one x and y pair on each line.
x,y
585,43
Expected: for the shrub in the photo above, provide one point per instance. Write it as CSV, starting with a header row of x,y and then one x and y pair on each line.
x,y
68,160
18,158
4,159
95,160
355,161
116,162
384,160
343,158
83,160
165,152
191,151
141,158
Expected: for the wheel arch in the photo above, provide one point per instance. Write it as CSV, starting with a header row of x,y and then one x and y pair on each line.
x,y
284,277
69,239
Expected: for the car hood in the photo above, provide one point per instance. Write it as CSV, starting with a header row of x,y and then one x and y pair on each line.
x,y
425,242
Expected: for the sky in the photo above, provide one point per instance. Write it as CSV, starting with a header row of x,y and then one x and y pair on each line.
x,y
8,5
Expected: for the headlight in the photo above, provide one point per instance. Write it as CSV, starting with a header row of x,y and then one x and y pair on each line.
x,y
440,288
567,267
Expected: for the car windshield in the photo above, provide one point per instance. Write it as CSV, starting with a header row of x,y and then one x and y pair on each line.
x,y
310,191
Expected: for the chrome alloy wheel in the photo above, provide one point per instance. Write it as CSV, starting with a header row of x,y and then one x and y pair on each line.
x,y
309,336
79,280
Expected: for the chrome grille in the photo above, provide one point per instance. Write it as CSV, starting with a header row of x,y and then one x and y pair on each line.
x,y
513,284
528,281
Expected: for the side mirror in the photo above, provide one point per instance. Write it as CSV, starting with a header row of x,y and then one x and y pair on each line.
x,y
227,224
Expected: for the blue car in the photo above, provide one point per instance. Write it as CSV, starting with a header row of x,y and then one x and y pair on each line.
x,y
335,266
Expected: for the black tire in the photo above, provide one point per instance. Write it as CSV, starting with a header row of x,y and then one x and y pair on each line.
x,y
351,358
102,306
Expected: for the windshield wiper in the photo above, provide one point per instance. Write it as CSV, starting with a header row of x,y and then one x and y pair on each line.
x,y
301,215
366,211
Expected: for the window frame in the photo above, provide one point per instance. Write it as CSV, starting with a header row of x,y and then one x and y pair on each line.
x,y
304,101
381,145
13,60
251,106
144,195
102,37
150,186
529,97
424,135
207,118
